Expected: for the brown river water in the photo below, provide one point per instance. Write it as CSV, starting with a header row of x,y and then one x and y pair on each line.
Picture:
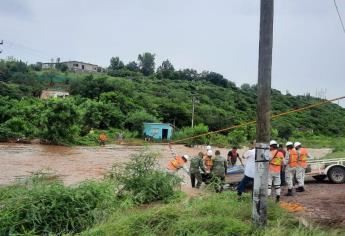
x,y
75,164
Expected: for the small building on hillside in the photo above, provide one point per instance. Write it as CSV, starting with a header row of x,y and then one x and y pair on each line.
x,y
77,66
158,131
46,94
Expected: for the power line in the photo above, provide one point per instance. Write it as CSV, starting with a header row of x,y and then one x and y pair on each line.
x,y
254,121
341,21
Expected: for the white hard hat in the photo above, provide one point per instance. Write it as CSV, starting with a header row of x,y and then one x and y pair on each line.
x,y
208,147
289,144
297,144
209,153
186,157
273,142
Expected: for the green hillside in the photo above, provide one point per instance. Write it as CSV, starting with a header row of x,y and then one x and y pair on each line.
x,y
126,96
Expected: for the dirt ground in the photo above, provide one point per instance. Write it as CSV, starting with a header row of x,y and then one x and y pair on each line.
x,y
323,202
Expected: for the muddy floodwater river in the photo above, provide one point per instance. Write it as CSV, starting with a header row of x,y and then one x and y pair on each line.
x,y
70,164
75,164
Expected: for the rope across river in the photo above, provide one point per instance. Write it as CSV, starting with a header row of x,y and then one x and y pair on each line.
x,y
254,121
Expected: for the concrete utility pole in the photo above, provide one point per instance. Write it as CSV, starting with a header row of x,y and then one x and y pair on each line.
x,y
263,114
194,100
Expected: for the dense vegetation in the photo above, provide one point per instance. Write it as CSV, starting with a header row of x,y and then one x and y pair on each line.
x,y
43,205
128,95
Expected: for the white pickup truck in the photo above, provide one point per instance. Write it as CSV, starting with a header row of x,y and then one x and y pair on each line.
x,y
334,169
319,169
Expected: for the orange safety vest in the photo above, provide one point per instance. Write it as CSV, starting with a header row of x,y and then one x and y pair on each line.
x,y
103,137
303,157
293,159
276,162
176,163
208,162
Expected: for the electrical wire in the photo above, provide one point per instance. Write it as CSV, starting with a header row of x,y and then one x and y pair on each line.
x,y
341,21
254,121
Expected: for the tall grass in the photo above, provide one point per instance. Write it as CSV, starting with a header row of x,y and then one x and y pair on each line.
x,y
50,207
216,214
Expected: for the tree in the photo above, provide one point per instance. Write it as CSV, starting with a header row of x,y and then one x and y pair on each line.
x,y
147,63
214,78
133,66
135,120
116,64
166,70
102,115
187,74
59,121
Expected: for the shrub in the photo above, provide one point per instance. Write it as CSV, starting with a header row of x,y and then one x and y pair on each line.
x,y
42,207
143,181
60,121
188,132
135,120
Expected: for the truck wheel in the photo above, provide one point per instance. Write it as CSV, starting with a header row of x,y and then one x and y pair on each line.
x,y
336,174
319,177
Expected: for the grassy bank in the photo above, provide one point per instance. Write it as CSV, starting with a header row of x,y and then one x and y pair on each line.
x,y
95,208
215,214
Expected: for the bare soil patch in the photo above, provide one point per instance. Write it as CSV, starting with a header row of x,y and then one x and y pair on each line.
x,y
324,203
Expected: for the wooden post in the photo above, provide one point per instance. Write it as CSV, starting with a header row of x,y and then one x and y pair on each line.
x,y
263,114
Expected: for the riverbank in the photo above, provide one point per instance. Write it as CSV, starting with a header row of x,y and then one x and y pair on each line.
x,y
74,165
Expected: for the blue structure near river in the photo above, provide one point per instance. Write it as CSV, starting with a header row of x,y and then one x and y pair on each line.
x,y
158,131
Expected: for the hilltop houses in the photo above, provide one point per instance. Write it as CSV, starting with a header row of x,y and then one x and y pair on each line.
x,y
77,66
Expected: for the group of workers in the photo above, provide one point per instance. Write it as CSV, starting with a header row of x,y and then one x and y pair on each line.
x,y
202,167
293,162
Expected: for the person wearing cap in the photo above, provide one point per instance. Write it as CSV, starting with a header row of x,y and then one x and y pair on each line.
x,y
302,161
178,162
196,165
275,164
218,170
291,164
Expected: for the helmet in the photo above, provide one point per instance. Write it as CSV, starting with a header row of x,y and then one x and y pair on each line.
x,y
273,142
186,157
209,153
208,147
297,144
289,144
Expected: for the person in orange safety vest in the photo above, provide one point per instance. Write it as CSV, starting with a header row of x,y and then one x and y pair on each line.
x,y
275,164
102,138
302,162
291,163
178,162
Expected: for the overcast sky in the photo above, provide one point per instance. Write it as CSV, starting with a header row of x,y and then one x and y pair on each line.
x,y
214,35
